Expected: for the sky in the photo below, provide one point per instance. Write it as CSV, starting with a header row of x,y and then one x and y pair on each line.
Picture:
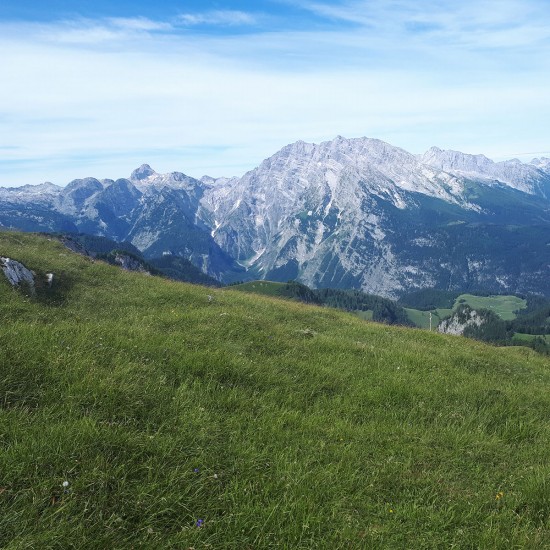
x,y
97,88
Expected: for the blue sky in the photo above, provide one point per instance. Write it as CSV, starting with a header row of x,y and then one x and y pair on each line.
x,y
99,87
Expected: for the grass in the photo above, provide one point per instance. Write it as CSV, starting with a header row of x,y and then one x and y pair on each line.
x,y
279,425
365,315
267,288
422,318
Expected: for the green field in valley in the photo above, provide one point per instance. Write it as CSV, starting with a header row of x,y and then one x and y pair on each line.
x,y
530,337
422,318
504,306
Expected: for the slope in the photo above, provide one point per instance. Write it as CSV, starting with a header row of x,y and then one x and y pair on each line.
x,y
182,416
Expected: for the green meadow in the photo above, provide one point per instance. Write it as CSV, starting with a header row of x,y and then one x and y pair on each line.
x,y
141,412
504,306
521,337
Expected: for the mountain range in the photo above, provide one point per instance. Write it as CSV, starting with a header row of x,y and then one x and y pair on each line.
x,y
347,213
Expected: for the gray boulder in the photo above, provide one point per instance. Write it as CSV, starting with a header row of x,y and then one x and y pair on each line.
x,y
17,273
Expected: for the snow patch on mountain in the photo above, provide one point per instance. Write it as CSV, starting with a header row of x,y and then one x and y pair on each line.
x,y
145,179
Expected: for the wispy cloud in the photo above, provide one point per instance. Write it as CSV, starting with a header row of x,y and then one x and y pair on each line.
x,y
226,18
139,24
89,32
115,30
485,23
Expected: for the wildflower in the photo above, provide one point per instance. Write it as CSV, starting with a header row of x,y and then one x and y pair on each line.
x,y
199,522
196,470
499,495
65,484
215,476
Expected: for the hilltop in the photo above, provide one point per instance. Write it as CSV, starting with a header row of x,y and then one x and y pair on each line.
x,y
185,416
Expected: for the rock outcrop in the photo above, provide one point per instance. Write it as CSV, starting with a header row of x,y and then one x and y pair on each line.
x,y
129,263
16,273
463,318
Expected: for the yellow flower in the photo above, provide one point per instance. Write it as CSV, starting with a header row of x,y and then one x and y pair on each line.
x,y
499,495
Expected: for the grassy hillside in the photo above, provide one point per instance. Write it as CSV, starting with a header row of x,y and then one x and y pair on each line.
x,y
184,416
422,318
267,288
291,290
366,306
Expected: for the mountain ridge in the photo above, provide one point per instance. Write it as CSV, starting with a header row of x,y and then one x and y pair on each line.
x,y
145,171
351,213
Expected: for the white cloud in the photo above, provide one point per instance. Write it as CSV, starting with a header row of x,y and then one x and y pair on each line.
x,y
139,24
227,18
86,32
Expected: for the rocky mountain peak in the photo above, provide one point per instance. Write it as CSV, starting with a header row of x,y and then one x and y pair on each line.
x,y
141,173
513,173
46,187
543,163
451,161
